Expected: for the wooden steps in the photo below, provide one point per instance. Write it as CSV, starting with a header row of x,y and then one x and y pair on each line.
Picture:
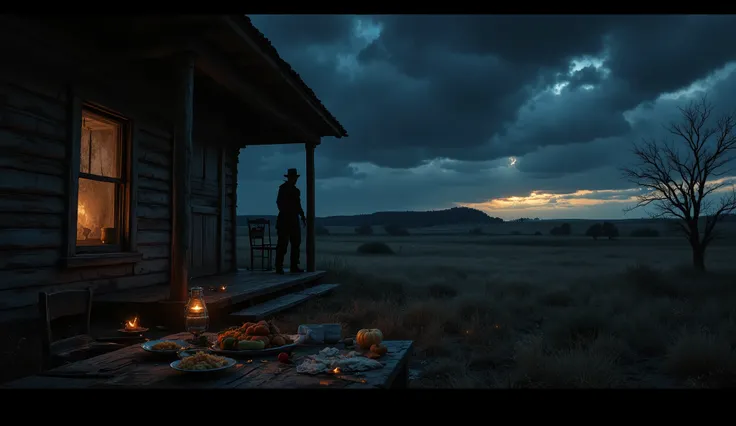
x,y
319,290
273,306
244,288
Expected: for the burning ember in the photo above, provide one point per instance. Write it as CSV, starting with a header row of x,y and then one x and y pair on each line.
x,y
336,370
132,325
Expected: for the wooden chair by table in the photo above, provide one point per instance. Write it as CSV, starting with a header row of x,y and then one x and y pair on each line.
x,y
67,305
259,234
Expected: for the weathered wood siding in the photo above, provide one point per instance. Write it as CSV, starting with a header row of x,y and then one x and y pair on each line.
x,y
154,202
34,119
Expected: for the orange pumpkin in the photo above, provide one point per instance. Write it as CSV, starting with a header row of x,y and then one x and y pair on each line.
x,y
369,336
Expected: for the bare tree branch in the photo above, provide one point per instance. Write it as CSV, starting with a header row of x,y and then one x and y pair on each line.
x,y
681,181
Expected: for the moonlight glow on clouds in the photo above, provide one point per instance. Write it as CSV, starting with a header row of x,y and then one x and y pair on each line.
x,y
437,107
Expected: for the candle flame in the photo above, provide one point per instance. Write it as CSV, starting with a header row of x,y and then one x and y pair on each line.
x,y
336,370
132,324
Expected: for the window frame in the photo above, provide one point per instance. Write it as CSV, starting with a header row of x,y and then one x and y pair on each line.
x,y
125,250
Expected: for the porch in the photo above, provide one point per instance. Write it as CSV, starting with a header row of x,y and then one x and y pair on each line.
x,y
224,294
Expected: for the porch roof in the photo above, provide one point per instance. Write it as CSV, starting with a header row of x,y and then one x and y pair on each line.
x,y
229,49
294,76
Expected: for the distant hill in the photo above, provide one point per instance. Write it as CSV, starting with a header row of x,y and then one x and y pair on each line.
x,y
408,219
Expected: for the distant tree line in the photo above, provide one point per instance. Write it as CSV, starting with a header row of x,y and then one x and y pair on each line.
x,y
412,219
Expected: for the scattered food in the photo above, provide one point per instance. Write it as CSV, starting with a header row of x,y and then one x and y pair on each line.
x,y
166,346
379,349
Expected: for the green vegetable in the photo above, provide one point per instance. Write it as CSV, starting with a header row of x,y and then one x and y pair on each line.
x,y
228,343
251,345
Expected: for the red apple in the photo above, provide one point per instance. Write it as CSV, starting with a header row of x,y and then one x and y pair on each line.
x,y
283,357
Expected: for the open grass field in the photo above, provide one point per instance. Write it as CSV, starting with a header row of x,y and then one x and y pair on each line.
x,y
538,311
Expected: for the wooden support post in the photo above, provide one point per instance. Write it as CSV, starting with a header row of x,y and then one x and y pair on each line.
x,y
234,208
221,207
310,207
182,210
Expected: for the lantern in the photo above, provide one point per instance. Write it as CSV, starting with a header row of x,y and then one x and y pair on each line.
x,y
197,318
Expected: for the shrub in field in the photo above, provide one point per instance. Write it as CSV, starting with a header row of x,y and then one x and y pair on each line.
x,y
595,231
375,247
609,230
564,229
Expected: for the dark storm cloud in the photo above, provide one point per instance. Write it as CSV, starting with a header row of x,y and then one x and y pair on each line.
x,y
661,54
477,89
589,75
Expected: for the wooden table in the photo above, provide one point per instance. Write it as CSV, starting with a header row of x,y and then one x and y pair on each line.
x,y
134,367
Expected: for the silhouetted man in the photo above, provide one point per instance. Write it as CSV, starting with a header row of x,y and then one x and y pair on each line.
x,y
287,223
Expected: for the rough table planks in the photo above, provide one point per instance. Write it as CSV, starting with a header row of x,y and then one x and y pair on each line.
x,y
133,367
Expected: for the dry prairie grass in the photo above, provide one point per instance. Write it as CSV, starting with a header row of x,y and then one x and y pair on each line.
x,y
640,327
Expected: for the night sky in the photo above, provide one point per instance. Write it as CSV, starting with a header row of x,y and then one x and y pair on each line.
x,y
519,116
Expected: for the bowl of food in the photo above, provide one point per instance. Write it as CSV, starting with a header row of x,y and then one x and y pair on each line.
x,y
193,350
202,362
252,339
164,347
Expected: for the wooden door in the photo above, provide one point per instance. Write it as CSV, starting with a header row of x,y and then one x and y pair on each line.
x,y
205,242
206,211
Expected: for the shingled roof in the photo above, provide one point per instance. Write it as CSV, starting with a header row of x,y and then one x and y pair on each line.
x,y
258,37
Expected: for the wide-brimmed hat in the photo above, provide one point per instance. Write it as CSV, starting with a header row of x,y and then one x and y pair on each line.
x,y
291,173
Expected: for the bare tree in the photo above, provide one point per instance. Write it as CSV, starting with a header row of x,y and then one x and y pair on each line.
x,y
685,179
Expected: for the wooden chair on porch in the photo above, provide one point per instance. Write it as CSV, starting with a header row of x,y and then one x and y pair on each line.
x,y
259,234
73,308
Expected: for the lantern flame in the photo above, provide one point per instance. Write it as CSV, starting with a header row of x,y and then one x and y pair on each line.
x,y
196,307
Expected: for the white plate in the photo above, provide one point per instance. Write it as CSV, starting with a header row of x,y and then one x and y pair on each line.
x,y
148,346
230,362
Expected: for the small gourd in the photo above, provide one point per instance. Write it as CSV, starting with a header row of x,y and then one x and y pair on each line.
x,y
369,336
379,349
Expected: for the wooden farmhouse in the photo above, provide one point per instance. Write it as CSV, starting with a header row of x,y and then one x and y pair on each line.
x,y
120,139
